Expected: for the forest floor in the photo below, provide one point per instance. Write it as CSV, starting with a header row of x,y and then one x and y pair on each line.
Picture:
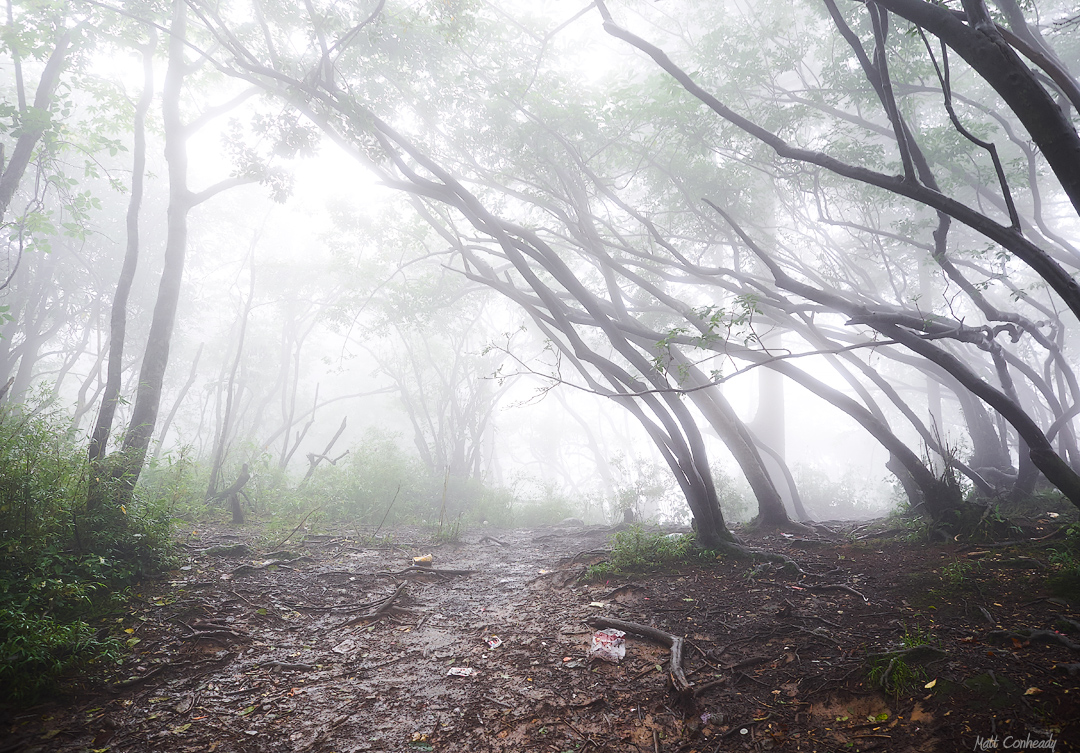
x,y
248,649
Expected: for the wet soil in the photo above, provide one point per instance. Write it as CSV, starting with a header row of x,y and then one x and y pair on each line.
x,y
881,645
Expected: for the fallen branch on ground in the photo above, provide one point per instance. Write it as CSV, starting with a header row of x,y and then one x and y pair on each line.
x,y
673,642
834,587
378,612
298,525
417,570
1031,636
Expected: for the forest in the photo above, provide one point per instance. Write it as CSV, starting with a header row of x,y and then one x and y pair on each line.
x,y
364,365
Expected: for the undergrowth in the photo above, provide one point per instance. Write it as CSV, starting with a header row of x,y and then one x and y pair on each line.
x,y
895,672
61,567
1064,580
635,550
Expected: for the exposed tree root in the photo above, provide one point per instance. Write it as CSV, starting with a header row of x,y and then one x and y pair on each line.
x,y
742,552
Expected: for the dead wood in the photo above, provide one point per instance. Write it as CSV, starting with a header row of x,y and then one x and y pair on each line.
x,y
834,587
704,687
616,591
1026,637
286,666
383,609
493,540
673,642
1067,625
416,569
1017,562
291,533
882,534
129,682
229,550
314,460
219,634
232,495
586,555
918,654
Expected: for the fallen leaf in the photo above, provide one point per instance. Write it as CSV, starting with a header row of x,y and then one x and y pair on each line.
x,y
930,684
1032,691
247,711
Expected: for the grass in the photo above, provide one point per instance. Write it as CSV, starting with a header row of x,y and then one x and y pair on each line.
x,y
636,550
957,572
892,672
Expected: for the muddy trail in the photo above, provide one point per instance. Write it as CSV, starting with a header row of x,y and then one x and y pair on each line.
x,y
330,645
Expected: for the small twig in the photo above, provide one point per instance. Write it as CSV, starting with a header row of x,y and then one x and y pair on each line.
x,y
835,587
298,525
136,680
388,508
379,611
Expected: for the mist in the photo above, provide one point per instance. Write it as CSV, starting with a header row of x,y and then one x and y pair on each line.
x,y
658,310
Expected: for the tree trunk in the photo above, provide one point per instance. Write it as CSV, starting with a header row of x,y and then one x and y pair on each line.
x,y
99,437
156,356
218,458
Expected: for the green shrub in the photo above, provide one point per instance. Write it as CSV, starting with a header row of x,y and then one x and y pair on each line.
x,y
60,566
1064,580
36,652
636,550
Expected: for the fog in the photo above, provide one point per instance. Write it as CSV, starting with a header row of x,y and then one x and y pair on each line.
x,y
501,256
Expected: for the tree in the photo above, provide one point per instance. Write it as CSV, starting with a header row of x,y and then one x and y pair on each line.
x,y
979,41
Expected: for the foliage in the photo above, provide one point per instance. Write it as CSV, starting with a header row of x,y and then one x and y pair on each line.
x,y
59,566
894,675
957,572
636,550
894,672
1064,581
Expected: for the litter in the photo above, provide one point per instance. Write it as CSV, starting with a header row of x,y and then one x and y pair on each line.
x,y
608,645
424,561
494,641
462,672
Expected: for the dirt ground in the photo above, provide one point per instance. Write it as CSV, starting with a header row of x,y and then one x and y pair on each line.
x,y
248,649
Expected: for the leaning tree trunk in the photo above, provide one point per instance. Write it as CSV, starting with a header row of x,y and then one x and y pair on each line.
x,y
99,438
156,356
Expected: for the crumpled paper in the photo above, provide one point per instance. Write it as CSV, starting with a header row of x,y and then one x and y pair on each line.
x,y
608,645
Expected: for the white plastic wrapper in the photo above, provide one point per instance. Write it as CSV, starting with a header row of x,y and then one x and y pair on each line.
x,y
462,672
608,645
